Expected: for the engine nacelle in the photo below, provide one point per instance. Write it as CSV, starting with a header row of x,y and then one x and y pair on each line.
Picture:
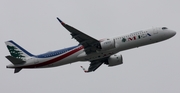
x,y
115,60
107,44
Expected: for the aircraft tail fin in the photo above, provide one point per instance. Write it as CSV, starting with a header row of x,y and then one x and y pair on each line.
x,y
17,51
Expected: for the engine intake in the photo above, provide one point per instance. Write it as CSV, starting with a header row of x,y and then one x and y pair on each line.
x,y
115,60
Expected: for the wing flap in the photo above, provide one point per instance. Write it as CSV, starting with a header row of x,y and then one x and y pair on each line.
x,y
94,65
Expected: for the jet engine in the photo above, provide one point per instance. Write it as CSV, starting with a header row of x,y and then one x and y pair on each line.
x,y
107,44
115,60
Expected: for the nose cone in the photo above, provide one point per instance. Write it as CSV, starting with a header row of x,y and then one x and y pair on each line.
x,y
172,33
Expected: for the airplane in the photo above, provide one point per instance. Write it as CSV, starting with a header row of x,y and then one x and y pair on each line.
x,y
98,52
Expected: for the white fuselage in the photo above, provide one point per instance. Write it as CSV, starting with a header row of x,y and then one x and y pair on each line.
x,y
125,42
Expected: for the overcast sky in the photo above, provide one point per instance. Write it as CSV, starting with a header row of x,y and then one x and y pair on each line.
x,y
33,25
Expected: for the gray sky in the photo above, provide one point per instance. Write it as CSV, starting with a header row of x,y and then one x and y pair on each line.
x,y
33,25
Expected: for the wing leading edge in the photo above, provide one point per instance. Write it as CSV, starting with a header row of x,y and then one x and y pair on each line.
x,y
90,44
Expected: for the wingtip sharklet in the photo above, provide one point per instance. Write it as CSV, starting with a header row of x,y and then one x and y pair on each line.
x,y
84,69
60,21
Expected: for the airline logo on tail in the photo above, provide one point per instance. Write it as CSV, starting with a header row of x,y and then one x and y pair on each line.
x,y
15,53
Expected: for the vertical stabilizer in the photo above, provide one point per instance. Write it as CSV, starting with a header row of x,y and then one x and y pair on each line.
x,y
17,51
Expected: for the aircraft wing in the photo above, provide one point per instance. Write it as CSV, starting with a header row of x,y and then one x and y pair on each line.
x,y
90,44
95,64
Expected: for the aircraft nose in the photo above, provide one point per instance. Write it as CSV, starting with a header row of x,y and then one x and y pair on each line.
x,y
172,33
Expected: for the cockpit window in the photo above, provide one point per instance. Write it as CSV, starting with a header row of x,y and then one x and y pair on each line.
x,y
163,28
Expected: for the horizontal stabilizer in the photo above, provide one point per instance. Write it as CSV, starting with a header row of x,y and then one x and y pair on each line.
x,y
14,60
